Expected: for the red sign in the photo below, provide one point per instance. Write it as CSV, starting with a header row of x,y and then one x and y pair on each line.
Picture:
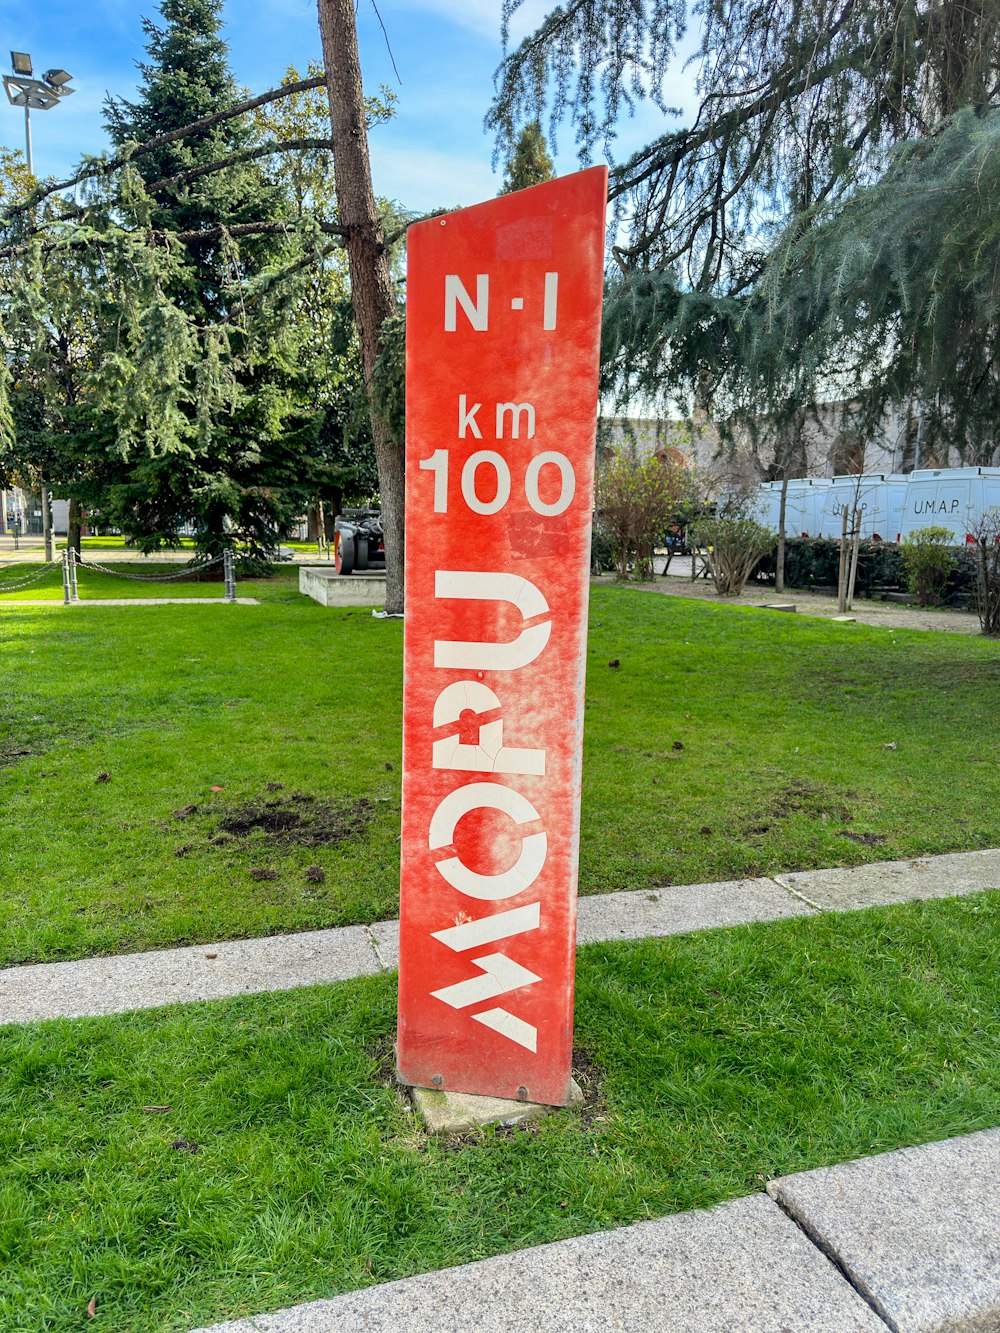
x,y
503,331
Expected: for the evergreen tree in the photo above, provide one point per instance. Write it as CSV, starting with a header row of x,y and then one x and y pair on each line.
x,y
233,469
529,163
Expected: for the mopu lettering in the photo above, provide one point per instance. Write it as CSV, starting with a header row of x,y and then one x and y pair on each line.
x,y
498,974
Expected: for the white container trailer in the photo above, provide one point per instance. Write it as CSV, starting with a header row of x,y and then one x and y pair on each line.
x,y
951,497
870,495
804,505
895,495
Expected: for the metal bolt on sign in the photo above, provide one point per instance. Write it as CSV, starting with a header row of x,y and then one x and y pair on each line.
x,y
503,328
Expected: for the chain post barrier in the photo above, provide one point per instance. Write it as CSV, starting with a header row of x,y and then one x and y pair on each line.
x,y
74,594
65,578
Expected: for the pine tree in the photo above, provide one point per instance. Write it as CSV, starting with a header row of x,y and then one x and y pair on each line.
x,y
234,469
529,163
372,294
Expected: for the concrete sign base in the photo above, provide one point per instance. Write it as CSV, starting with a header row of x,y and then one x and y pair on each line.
x,y
462,1112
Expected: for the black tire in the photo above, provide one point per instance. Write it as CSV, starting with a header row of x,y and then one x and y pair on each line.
x,y
360,552
343,553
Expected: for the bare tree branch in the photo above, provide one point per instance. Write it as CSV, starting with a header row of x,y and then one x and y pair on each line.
x,y
234,159
283,274
248,229
400,232
129,154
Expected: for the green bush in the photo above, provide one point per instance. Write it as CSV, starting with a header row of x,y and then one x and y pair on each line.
x,y
928,561
734,545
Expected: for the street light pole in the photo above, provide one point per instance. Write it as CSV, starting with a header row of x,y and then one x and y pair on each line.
x,y
23,89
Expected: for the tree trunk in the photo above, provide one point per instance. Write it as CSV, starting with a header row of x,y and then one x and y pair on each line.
x,y
371,287
321,541
46,521
73,527
779,563
852,577
842,573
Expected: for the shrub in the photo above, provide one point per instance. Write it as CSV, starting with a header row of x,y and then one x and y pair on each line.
x,y
986,531
928,562
636,500
734,544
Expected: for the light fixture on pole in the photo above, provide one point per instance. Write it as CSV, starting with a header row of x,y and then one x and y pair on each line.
x,y
23,89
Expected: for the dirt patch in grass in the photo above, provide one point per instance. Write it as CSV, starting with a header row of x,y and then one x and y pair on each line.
x,y
297,820
804,798
300,819
865,839
11,754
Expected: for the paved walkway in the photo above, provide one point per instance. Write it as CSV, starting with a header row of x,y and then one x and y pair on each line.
x,y
282,962
908,1241
890,615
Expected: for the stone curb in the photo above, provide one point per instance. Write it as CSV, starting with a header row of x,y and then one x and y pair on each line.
x,y
743,1267
883,883
907,1241
916,1232
95,986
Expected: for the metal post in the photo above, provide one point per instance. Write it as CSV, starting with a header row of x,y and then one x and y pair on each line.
x,y
229,575
27,138
72,573
65,574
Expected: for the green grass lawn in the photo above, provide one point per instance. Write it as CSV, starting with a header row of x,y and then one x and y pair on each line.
x,y
286,1166
728,742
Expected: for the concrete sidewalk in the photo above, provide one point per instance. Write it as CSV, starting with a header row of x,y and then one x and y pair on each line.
x,y
94,986
908,1241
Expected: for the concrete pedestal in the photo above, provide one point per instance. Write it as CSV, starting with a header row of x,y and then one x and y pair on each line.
x,y
462,1112
324,585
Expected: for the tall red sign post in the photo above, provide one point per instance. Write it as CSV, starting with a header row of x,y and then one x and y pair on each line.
x,y
503,330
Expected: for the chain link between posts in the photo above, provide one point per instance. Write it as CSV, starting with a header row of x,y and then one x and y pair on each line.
x,y
172,577
30,579
71,562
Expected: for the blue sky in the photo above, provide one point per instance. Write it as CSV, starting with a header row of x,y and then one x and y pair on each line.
x,y
434,153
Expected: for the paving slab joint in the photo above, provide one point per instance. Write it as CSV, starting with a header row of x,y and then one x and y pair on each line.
x,y
373,942
828,1252
782,883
